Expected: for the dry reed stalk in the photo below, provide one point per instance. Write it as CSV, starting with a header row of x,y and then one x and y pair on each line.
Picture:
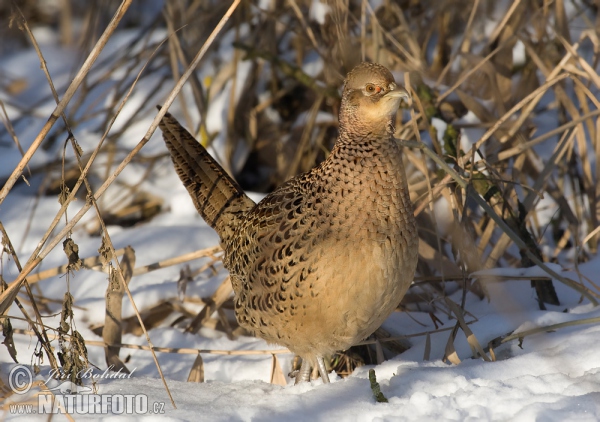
x,y
277,377
180,350
40,334
95,263
509,164
112,331
471,339
546,328
197,371
213,304
10,294
591,296
77,80
532,98
35,260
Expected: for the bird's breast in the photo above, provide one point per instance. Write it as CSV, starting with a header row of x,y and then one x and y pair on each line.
x,y
368,198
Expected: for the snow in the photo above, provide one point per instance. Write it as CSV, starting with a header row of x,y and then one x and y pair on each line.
x,y
551,376
519,55
470,135
440,128
318,11
555,376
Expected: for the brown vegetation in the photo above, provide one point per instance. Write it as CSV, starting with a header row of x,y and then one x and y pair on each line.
x,y
526,78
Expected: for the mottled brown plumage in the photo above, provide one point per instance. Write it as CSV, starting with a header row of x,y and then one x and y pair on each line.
x,y
319,263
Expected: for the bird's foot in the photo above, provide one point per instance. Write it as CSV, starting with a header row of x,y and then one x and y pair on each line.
x,y
322,369
304,373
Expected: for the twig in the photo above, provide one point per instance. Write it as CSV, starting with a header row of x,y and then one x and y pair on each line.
x,y
522,334
180,350
34,261
500,222
94,262
77,80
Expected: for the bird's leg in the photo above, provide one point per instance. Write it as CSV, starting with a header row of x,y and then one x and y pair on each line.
x,y
322,370
304,372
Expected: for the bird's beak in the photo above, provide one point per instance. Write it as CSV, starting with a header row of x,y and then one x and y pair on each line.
x,y
398,92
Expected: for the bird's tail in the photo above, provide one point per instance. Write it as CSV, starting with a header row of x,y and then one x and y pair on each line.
x,y
217,197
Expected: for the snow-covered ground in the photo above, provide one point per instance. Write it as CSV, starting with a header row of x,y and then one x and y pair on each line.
x,y
552,376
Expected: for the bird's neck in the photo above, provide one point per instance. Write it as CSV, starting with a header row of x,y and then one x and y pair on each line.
x,y
365,138
367,166
371,152
358,123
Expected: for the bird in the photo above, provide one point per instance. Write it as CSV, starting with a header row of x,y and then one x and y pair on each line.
x,y
319,263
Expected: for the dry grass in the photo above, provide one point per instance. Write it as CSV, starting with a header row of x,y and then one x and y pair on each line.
x,y
487,190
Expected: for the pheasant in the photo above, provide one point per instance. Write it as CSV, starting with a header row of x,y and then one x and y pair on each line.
x,y
323,260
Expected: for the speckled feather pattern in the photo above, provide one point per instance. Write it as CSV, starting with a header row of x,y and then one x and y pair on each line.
x,y
319,263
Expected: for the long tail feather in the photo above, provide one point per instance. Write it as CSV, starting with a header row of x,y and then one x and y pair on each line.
x,y
217,197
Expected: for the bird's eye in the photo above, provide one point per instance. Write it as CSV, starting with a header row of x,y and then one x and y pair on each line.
x,y
372,89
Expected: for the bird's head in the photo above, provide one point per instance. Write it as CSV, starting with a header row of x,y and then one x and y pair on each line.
x,y
370,99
